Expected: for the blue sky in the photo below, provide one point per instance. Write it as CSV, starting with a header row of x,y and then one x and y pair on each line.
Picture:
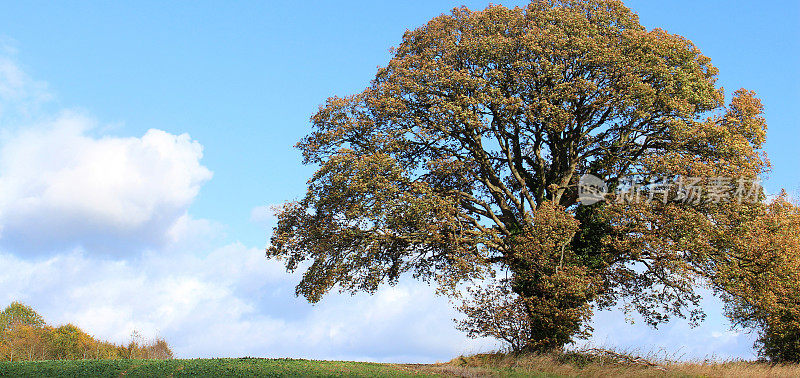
x,y
184,218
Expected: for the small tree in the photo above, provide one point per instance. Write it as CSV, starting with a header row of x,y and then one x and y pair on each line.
x,y
495,311
760,280
18,326
71,343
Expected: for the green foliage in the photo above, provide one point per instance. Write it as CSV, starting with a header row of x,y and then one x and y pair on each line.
x,y
18,314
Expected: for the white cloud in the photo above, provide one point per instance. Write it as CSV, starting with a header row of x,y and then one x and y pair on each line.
x,y
61,187
191,234
233,302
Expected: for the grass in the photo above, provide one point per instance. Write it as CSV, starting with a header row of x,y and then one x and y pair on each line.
x,y
614,364
572,364
227,367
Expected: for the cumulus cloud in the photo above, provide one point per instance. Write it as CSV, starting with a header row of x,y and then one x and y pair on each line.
x,y
61,187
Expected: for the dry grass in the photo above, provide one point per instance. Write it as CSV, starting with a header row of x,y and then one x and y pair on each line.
x,y
736,369
594,363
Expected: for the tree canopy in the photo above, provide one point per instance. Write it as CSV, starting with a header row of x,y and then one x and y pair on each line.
x,y
18,314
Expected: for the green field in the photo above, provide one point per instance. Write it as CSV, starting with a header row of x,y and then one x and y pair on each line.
x,y
230,367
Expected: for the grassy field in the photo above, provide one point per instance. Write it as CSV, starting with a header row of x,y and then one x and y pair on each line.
x,y
473,366
228,367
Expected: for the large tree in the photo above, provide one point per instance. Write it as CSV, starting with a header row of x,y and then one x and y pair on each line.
x,y
462,159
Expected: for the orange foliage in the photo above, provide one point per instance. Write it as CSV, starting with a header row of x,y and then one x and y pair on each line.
x,y
25,336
